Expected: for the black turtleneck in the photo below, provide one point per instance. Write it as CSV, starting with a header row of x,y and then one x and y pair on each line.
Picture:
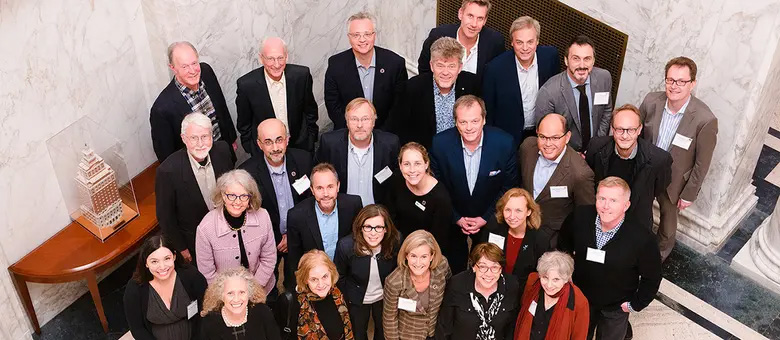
x,y
238,223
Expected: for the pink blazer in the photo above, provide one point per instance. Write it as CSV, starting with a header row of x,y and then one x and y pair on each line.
x,y
216,246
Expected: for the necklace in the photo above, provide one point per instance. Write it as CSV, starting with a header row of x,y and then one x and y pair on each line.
x,y
242,224
230,324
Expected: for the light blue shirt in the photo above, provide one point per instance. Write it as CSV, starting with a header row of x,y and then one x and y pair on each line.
x,y
544,170
577,99
443,104
669,124
329,228
471,160
284,198
360,170
367,77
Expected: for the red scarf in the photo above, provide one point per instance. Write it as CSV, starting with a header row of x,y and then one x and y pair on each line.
x,y
557,317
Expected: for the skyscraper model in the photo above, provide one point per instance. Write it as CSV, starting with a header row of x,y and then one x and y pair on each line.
x,y
98,193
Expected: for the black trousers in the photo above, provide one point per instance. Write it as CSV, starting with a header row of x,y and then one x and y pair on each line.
x,y
360,314
608,323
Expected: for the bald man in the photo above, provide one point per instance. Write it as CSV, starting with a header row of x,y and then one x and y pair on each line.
x,y
277,90
281,175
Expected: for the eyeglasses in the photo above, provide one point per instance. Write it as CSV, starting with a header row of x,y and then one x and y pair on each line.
x,y
363,120
678,82
621,131
493,269
362,35
279,60
269,142
193,66
550,138
376,228
242,198
202,139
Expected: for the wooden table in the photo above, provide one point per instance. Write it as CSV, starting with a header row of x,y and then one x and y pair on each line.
x,y
74,253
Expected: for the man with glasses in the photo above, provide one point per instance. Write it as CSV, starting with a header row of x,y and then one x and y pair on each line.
x,y
364,157
678,122
185,182
364,71
281,174
554,173
277,90
645,167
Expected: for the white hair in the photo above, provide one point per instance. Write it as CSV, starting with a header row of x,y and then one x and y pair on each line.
x,y
362,16
196,118
265,40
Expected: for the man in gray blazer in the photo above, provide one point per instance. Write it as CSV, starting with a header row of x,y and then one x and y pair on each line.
x,y
581,93
678,122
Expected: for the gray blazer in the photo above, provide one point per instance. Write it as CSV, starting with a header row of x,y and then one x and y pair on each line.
x,y
556,96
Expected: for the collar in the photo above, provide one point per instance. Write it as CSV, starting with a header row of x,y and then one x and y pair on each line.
x,y
614,230
557,160
268,80
276,170
187,90
195,163
437,91
481,139
523,69
633,152
373,61
320,213
572,83
476,45
352,147
682,109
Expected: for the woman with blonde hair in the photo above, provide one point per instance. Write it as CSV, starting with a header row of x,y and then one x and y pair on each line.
x,y
322,311
234,308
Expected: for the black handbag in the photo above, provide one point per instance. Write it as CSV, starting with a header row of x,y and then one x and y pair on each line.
x,y
286,315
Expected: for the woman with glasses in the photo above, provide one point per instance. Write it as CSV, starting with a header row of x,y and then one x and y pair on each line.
x,y
480,303
364,259
237,232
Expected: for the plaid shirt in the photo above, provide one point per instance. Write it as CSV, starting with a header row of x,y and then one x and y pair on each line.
x,y
200,101
602,237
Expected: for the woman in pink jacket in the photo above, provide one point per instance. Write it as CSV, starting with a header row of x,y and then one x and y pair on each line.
x,y
237,232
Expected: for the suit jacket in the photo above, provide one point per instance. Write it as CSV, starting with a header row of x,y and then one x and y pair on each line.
x,y
169,110
491,44
298,165
355,271
303,229
690,166
415,120
572,172
556,96
253,104
334,149
501,88
652,173
497,171
342,84
400,324
179,205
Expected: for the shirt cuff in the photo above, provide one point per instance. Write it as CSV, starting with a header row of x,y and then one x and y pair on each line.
x,y
629,307
684,201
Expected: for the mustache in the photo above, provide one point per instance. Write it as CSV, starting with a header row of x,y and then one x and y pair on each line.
x,y
581,69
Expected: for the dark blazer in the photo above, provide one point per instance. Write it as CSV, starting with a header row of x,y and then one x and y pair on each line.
x,y
180,206
652,173
169,110
501,88
632,267
342,84
535,243
334,149
136,301
354,270
303,229
253,104
491,44
298,164
459,320
415,120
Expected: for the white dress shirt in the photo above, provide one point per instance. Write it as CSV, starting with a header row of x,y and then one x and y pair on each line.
x,y
528,80
277,90
470,57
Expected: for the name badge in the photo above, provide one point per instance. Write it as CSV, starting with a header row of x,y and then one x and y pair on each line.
x,y
383,175
601,98
681,141
532,308
192,309
561,191
596,255
408,305
497,240
419,205
302,184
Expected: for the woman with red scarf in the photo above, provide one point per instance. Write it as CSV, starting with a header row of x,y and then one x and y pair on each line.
x,y
553,308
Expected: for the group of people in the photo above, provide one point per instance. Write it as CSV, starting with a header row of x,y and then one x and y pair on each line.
x,y
492,196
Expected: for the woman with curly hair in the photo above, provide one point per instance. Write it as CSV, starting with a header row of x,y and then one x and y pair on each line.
x,y
234,308
322,312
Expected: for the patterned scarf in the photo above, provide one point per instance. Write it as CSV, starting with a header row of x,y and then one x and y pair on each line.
x,y
309,325
486,331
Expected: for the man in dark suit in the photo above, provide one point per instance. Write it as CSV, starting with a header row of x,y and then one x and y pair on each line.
x,y
364,158
581,93
617,264
281,174
554,173
194,88
277,90
477,165
683,125
513,78
319,222
645,167
364,71
185,182
426,108
482,43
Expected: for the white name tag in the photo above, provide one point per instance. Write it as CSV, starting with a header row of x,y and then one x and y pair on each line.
x,y
497,240
419,205
601,98
596,255
681,141
192,309
532,308
302,184
407,304
561,191
383,175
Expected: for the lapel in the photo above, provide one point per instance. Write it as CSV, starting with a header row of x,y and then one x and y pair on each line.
x,y
190,183
568,96
687,127
314,226
459,167
659,113
429,100
263,94
377,165
352,76
379,74
182,108
345,218
343,153
558,176
265,182
292,104
485,161
481,54
529,165
292,175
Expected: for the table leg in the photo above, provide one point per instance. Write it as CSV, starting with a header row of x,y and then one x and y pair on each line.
x,y
93,289
24,294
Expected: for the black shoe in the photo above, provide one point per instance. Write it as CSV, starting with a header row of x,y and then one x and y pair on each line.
x,y
629,332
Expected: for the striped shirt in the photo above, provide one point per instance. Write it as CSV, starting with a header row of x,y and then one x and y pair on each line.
x,y
669,124
471,160
200,101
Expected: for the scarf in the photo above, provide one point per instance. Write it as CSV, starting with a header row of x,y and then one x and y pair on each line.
x,y
309,325
553,329
485,330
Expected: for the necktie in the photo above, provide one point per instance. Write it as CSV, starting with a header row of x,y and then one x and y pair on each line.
x,y
584,117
